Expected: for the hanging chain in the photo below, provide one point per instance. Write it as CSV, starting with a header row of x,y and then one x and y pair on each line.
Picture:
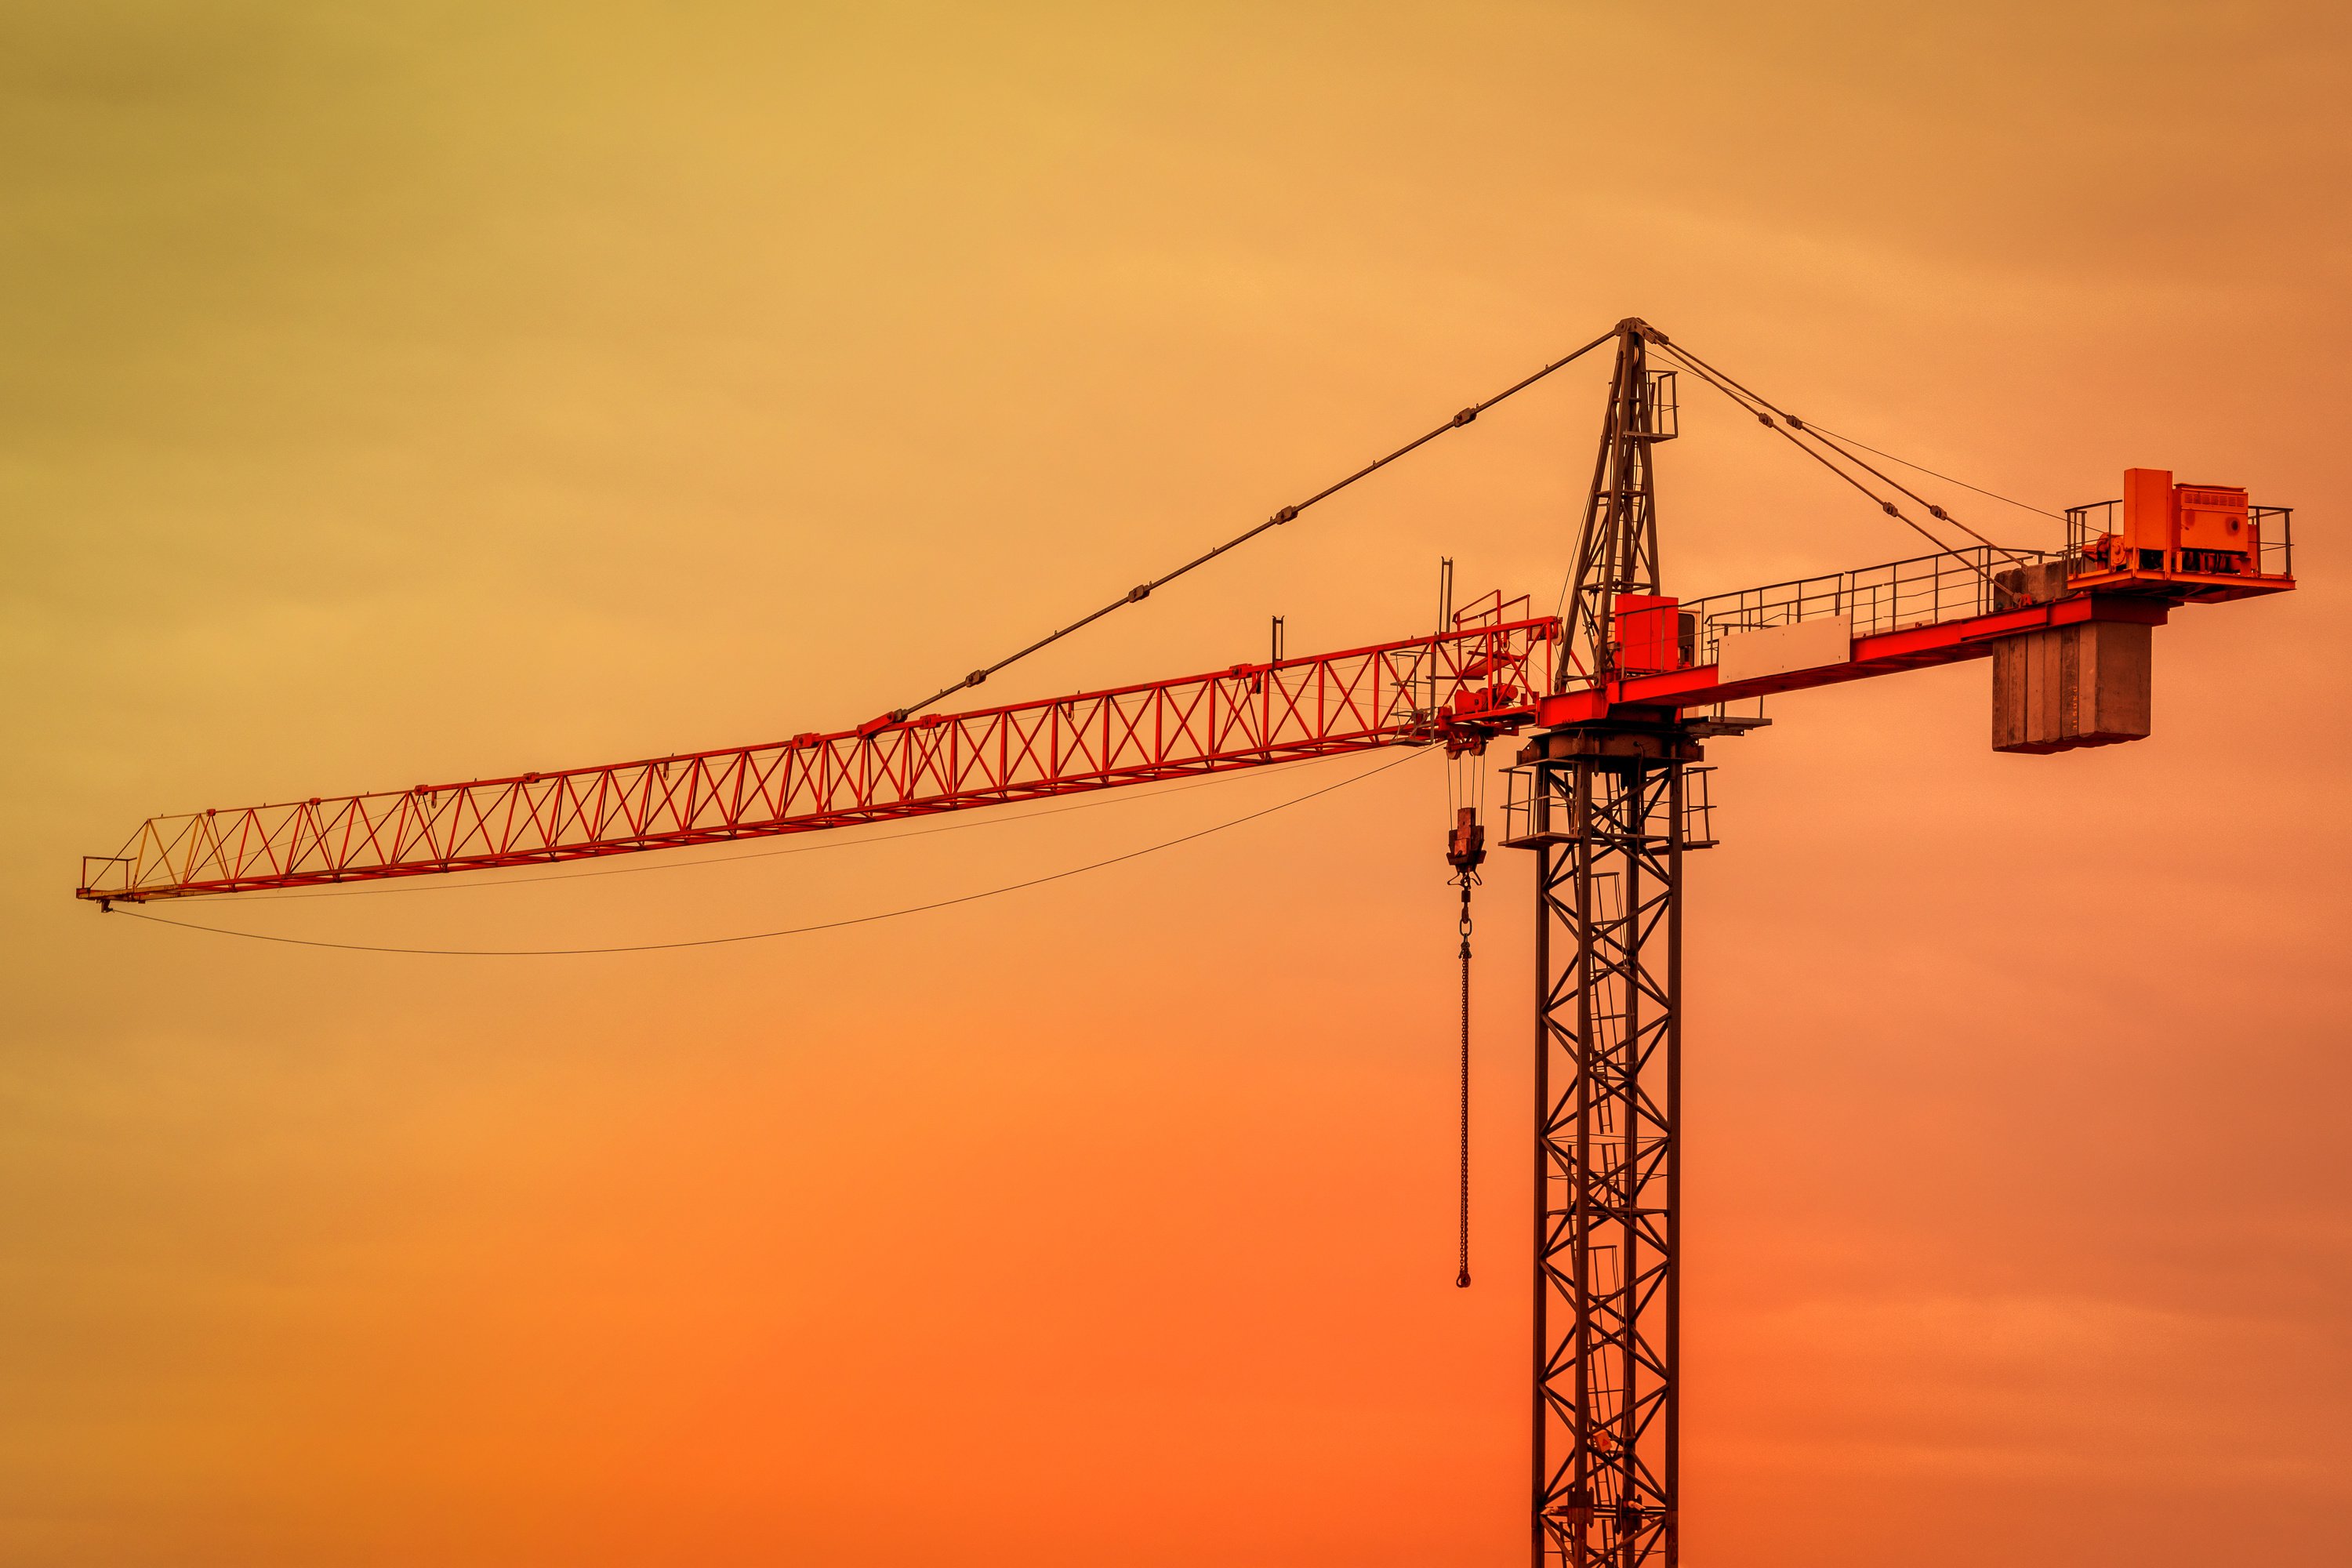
x,y
1462,1278
1465,848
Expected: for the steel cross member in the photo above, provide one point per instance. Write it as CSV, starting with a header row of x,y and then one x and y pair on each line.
x,y
1607,825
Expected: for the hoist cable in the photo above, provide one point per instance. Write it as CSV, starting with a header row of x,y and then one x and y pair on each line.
x,y
1821,436
1142,591
1795,424
766,935
1462,1277
1466,785
1996,495
1888,506
1934,511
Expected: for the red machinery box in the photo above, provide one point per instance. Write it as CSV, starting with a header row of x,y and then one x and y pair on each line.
x,y
1648,634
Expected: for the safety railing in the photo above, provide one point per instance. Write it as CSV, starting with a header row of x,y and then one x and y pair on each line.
x,y
1534,815
2275,532
2273,528
2086,524
1924,590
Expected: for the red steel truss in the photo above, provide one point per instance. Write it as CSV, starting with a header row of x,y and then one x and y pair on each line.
x,y
1460,686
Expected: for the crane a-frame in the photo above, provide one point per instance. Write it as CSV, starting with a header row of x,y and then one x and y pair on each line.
x,y
1617,695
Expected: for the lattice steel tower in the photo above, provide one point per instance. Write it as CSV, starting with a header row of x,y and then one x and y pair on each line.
x,y
1604,812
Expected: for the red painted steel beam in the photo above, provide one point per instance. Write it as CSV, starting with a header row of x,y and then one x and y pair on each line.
x,y
1464,683
1881,653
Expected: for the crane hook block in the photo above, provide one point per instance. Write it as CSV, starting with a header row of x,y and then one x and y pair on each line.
x,y
1466,846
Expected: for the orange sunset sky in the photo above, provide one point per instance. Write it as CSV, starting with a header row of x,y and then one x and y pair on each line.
x,y
429,391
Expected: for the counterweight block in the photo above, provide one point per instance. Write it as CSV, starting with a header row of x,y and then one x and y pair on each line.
x,y
2056,688
2086,685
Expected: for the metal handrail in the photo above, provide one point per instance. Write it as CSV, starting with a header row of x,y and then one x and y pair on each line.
x,y
1920,590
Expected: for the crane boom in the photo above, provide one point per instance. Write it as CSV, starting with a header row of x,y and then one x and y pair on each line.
x,y
1458,685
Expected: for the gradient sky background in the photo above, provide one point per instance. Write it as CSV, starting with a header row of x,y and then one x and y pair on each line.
x,y
441,390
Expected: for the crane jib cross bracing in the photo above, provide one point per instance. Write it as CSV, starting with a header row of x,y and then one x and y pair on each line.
x,y
1618,695
1486,677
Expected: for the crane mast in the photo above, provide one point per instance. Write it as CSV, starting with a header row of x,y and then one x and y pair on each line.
x,y
1605,815
1617,548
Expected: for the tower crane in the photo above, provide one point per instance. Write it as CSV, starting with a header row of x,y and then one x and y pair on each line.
x,y
1615,696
